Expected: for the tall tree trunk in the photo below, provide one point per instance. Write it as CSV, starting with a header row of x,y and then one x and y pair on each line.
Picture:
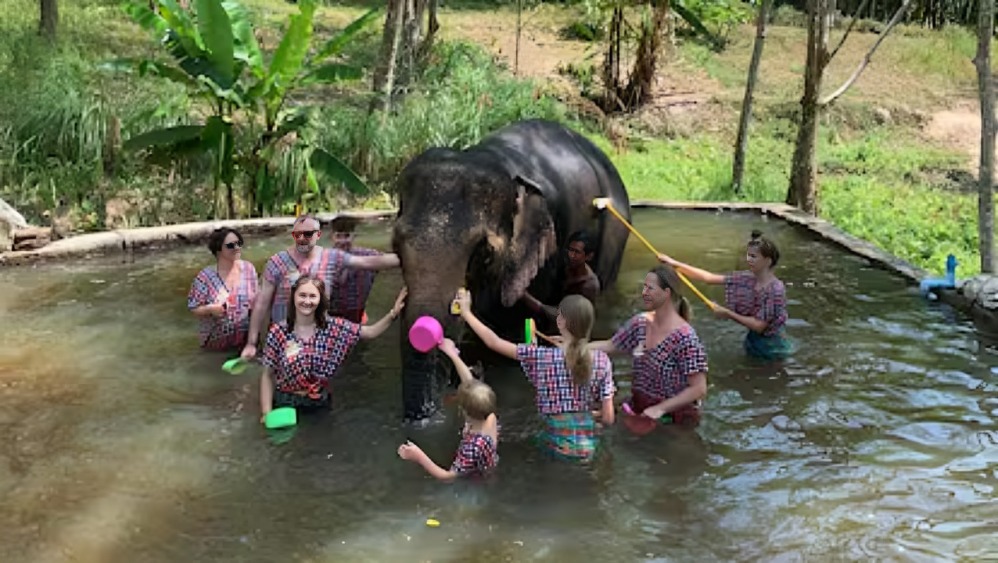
x,y
803,190
640,82
986,171
391,38
741,143
49,19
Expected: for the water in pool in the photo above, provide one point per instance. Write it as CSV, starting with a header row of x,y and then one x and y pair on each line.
x,y
123,442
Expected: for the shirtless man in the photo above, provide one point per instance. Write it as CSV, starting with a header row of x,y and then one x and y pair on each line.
x,y
579,277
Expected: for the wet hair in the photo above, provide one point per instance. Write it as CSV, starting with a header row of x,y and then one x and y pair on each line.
x,y
217,239
321,320
476,399
583,237
766,247
343,224
669,279
578,314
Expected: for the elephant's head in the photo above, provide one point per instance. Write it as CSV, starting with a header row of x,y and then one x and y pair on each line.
x,y
463,226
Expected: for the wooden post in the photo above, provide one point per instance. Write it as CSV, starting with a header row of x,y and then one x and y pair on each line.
x,y
986,170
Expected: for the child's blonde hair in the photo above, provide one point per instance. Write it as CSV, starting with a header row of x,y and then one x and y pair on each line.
x,y
476,399
577,311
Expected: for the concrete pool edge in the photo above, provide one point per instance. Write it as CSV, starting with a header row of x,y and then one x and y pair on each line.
x,y
127,241
982,306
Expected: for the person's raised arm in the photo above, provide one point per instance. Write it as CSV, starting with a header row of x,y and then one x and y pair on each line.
x,y
375,330
258,317
692,271
450,350
377,262
488,336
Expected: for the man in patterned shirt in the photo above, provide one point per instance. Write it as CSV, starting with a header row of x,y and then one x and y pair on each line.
x,y
350,297
304,258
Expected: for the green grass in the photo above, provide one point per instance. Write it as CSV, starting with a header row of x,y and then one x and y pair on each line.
x,y
877,186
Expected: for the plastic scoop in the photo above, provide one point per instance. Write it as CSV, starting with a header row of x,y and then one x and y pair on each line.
x,y
637,423
281,418
426,333
235,366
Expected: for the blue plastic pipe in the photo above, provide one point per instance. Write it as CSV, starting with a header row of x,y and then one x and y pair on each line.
x,y
949,282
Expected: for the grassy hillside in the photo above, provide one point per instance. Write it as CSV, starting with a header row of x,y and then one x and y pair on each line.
x,y
896,153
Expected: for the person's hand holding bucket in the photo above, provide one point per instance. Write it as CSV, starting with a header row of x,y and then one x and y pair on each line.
x,y
639,424
426,334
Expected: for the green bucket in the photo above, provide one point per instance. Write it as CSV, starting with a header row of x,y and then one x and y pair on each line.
x,y
281,418
235,366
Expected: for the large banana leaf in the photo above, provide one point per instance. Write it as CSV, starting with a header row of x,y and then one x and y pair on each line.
x,y
343,38
290,54
184,31
336,169
247,49
147,18
216,31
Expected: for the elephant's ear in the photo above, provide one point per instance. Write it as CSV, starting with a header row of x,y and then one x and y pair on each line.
x,y
533,241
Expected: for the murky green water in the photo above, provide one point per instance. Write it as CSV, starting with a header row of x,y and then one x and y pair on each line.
x,y
123,442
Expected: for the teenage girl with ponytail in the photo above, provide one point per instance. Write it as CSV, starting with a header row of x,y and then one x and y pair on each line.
x,y
571,380
670,364
755,299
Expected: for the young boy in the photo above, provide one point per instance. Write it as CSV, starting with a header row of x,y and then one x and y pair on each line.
x,y
477,453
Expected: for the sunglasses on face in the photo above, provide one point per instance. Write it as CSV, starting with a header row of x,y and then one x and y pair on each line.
x,y
234,245
305,234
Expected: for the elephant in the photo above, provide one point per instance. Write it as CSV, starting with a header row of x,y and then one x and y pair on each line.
x,y
493,218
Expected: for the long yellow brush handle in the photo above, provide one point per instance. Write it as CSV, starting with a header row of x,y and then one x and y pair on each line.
x,y
692,287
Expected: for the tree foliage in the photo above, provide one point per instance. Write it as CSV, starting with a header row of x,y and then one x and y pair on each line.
x,y
251,130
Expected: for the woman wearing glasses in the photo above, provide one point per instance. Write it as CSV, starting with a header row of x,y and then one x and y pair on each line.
x,y
221,295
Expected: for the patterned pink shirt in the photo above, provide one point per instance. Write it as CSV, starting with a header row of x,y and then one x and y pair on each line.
x,y
556,392
476,455
663,371
283,271
355,286
308,365
230,330
767,304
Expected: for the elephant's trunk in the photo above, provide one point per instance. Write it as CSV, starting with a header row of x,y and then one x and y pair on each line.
x,y
425,376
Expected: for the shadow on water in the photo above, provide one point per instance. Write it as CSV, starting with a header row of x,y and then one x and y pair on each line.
x,y
124,443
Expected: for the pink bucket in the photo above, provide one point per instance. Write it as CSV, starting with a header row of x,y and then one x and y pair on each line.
x,y
426,333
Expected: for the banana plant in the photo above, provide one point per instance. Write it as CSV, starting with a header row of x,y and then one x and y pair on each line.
x,y
250,130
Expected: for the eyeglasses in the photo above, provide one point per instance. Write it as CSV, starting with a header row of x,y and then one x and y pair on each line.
x,y
305,234
234,245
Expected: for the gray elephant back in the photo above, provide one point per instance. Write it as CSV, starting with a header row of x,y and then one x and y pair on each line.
x,y
570,171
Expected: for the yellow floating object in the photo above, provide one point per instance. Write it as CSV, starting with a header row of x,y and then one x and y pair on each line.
x,y
432,523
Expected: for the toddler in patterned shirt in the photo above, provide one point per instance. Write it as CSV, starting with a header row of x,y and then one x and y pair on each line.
x,y
476,454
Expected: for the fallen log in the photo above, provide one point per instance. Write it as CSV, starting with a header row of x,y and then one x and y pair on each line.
x,y
31,238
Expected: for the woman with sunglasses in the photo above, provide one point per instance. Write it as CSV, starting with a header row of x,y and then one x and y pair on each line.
x,y
221,295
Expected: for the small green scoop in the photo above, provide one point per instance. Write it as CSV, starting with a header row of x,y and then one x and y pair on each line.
x,y
235,366
281,418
